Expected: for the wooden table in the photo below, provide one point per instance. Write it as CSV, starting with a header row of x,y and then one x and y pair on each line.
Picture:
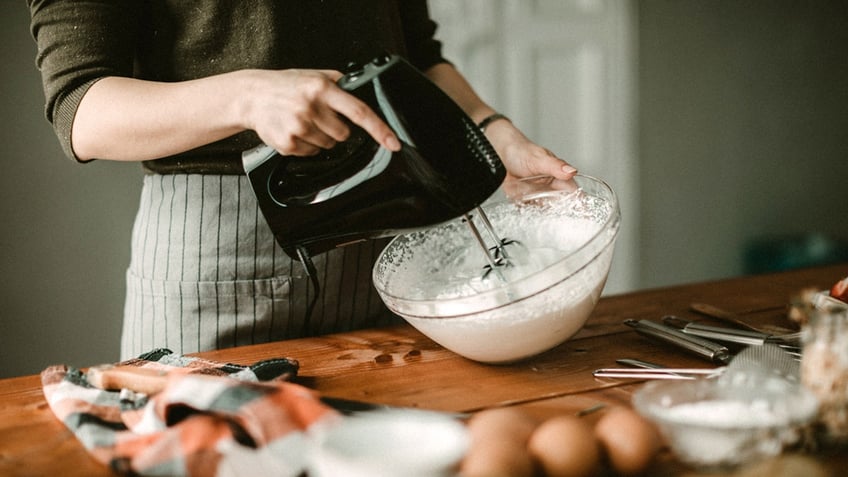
x,y
399,366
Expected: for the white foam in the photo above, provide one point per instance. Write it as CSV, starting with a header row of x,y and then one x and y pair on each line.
x,y
447,262
445,265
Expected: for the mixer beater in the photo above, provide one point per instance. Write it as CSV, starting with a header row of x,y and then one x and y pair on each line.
x,y
496,256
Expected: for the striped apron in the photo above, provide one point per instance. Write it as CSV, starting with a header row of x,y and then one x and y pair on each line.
x,y
206,273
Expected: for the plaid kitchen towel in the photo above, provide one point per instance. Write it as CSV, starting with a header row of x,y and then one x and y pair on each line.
x,y
209,419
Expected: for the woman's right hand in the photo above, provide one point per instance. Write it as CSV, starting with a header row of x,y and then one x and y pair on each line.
x,y
299,112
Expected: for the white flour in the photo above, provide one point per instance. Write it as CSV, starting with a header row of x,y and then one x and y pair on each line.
x,y
726,414
726,431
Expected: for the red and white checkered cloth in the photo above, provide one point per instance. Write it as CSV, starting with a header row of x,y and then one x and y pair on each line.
x,y
211,419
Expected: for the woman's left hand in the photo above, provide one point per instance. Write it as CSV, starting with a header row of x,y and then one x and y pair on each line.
x,y
522,157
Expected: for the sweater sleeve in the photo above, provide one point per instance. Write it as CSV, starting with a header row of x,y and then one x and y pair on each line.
x,y
80,42
419,30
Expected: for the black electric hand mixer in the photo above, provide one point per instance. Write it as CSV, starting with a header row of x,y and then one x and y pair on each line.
x,y
357,190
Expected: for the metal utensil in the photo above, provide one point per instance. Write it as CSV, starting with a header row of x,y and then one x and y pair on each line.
x,y
704,348
658,373
496,256
638,363
759,362
733,335
753,362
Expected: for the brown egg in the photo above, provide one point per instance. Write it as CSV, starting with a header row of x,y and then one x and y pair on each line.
x,y
629,441
564,446
499,444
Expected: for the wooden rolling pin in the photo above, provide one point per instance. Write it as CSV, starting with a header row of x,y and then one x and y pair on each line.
x,y
134,378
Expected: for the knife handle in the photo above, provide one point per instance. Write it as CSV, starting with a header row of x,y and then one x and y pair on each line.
x,y
699,346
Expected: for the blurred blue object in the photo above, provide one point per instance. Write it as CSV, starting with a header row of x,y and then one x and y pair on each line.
x,y
774,254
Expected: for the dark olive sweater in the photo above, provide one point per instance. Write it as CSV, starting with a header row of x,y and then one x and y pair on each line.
x,y
80,42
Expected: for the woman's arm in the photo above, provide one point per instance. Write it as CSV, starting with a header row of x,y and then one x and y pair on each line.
x,y
294,111
86,53
522,157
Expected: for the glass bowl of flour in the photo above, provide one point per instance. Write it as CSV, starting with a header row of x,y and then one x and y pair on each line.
x,y
560,238
714,425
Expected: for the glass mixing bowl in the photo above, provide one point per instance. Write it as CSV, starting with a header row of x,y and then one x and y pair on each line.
x,y
564,234
712,425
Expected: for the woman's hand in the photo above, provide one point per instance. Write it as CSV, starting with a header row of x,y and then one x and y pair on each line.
x,y
524,158
300,112
521,156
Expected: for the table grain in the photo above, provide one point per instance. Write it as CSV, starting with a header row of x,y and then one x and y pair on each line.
x,y
401,367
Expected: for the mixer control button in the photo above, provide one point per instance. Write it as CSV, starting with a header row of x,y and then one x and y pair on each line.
x,y
353,68
382,60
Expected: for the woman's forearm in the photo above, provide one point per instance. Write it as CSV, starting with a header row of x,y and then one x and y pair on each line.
x,y
457,87
129,119
298,112
521,156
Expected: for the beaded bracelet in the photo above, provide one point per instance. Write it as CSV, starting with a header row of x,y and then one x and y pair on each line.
x,y
489,120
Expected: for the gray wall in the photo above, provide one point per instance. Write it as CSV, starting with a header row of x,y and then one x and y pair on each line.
x,y
743,134
743,130
64,227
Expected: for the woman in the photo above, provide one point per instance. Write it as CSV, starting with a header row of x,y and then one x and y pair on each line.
x,y
185,87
